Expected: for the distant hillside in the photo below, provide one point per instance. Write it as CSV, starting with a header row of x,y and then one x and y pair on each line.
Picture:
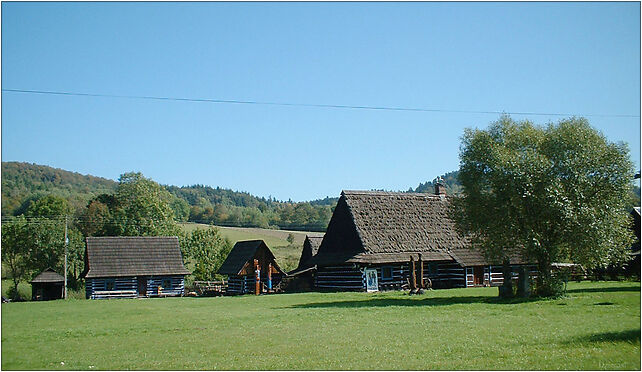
x,y
453,187
23,182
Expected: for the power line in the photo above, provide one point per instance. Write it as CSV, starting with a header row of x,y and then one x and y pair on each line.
x,y
314,105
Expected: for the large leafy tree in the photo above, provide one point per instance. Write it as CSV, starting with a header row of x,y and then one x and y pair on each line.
x,y
206,249
139,207
15,254
143,207
550,194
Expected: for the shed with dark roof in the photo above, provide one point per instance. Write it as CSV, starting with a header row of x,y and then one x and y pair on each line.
x,y
372,230
133,266
248,261
48,285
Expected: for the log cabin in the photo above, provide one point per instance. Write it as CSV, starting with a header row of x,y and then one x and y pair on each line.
x,y
373,235
129,267
241,268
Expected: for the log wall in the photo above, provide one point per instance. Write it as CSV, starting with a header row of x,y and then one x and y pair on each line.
x,y
127,287
245,283
343,277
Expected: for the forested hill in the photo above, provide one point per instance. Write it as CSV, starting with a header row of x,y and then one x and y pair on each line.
x,y
23,183
449,180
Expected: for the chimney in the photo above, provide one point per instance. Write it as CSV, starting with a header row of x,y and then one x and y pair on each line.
x,y
440,188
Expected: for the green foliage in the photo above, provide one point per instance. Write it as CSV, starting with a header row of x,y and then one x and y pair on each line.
x,y
30,246
290,238
552,194
49,206
181,209
15,254
139,207
453,187
206,249
597,328
231,208
23,181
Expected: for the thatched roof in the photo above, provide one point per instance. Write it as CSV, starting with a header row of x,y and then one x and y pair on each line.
x,y
48,276
107,257
381,227
386,227
245,251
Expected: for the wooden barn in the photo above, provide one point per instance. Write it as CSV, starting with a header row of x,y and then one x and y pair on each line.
x,y
372,236
241,268
48,285
128,267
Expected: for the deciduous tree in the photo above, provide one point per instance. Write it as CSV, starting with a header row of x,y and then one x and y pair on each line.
x,y
206,249
551,194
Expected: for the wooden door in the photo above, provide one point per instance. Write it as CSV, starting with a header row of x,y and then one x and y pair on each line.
x,y
142,286
478,275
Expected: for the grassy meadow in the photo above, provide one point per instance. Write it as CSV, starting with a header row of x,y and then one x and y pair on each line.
x,y
597,327
287,255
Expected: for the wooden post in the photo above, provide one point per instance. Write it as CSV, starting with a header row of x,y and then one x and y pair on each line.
x,y
421,272
413,275
269,276
257,277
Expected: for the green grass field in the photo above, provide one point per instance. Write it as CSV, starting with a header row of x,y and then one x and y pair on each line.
x,y
287,255
597,326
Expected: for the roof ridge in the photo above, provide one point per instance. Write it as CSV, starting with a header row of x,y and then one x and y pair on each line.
x,y
366,192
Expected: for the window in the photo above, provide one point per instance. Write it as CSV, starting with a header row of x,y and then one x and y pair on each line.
x,y
386,273
166,283
109,284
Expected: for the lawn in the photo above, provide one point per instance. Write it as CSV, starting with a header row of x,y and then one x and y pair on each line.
x,y
597,326
287,255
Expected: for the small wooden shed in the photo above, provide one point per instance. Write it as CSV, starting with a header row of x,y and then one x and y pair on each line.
x,y
241,264
48,285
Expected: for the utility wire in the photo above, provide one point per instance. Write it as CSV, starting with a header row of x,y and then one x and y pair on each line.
x,y
315,105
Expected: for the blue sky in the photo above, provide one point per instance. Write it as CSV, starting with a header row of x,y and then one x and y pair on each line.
x,y
580,58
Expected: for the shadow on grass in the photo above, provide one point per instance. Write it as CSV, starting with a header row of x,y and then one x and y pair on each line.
x,y
631,335
608,289
413,301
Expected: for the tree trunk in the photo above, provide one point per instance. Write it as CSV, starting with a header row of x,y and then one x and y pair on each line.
x,y
16,295
523,283
506,290
546,285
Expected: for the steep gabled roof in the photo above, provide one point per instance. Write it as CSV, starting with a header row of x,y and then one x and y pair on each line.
x,y
48,276
379,227
242,253
311,246
133,256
